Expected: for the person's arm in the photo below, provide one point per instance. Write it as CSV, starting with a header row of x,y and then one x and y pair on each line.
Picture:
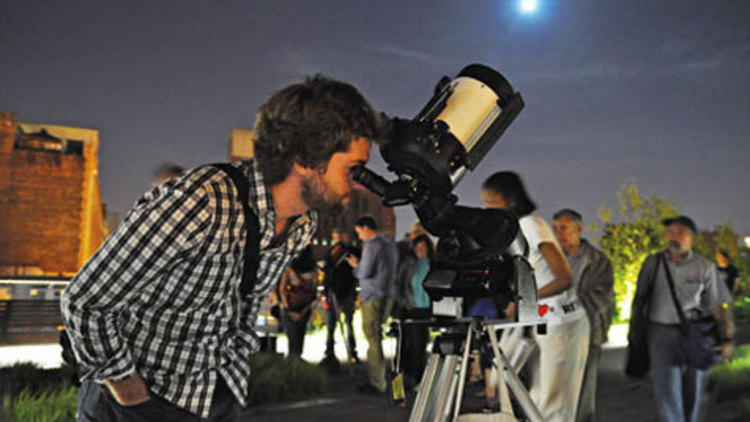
x,y
598,281
642,288
365,267
717,297
560,269
167,223
282,287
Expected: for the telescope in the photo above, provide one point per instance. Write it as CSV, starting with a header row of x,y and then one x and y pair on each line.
x,y
481,252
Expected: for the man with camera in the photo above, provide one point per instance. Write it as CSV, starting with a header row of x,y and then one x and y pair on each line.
x,y
161,317
593,280
676,291
376,272
341,294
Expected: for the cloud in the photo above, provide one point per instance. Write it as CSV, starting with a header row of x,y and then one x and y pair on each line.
x,y
670,59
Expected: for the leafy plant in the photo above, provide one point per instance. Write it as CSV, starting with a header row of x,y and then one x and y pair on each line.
x,y
629,236
275,378
731,380
52,405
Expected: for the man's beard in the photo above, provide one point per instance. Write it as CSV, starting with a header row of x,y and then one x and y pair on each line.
x,y
320,197
675,247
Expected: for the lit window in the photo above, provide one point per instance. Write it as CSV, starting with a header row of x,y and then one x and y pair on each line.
x,y
33,292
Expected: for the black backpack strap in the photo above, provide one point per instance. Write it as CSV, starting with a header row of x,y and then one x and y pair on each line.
x,y
684,324
251,254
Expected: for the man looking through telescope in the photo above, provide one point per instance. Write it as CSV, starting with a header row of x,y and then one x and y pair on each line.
x,y
161,317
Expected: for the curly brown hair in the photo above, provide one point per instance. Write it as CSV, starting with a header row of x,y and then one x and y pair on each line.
x,y
308,122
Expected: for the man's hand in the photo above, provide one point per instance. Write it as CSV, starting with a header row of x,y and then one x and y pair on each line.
x,y
408,306
352,260
129,391
726,349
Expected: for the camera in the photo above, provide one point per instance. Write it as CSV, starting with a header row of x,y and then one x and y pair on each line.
x,y
481,252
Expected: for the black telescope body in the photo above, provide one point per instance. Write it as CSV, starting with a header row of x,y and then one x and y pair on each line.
x,y
430,154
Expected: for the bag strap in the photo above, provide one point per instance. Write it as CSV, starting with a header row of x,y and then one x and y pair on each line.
x,y
251,254
684,325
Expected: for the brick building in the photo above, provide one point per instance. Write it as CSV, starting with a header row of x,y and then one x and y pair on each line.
x,y
362,201
51,214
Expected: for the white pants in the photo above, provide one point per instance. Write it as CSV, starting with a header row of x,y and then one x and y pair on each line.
x,y
557,374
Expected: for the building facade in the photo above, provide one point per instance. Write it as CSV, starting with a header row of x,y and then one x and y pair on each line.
x,y
51,213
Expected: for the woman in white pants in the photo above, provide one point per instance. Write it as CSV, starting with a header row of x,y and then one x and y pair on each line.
x,y
557,373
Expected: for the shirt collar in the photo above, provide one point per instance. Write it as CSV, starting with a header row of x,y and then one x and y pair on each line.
x,y
260,196
688,257
262,202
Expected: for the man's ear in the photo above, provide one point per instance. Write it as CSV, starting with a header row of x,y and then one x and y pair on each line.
x,y
302,170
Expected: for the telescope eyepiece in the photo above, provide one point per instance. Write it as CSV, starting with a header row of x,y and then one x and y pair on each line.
x,y
370,180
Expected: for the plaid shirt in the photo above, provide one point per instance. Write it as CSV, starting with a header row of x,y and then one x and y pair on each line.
x,y
161,295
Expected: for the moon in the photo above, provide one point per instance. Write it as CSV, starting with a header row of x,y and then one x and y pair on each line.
x,y
528,6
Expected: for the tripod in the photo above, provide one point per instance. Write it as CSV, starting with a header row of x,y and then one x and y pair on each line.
x,y
442,388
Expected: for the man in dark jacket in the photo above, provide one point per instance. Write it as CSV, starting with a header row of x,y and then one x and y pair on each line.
x,y
676,383
594,280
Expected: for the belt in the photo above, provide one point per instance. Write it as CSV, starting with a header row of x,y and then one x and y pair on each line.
x,y
567,308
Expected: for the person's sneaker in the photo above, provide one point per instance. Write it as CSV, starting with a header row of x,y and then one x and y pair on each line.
x,y
369,389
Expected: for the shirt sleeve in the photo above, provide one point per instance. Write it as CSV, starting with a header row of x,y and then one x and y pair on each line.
x,y
366,267
536,231
599,285
716,292
165,223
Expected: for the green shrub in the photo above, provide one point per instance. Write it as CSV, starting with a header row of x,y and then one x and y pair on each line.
x,y
276,378
33,394
742,309
731,380
29,377
56,404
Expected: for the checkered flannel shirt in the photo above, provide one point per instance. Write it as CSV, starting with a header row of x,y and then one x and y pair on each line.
x,y
161,296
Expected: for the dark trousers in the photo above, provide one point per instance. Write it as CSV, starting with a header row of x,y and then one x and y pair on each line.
x,y
345,305
587,399
96,404
676,385
414,345
295,332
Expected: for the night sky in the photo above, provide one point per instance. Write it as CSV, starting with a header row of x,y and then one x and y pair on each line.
x,y
655,91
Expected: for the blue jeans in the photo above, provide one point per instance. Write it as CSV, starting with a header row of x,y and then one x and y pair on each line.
x,y
676,385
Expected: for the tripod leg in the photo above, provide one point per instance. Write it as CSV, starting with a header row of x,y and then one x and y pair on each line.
x,y
448,382
426,389
509,376
462,374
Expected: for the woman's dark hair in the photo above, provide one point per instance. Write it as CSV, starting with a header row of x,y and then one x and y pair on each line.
x,y
307,123
509,185
426,239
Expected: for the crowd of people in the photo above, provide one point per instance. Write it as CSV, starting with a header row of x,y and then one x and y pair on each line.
x,y
161,318
574,282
